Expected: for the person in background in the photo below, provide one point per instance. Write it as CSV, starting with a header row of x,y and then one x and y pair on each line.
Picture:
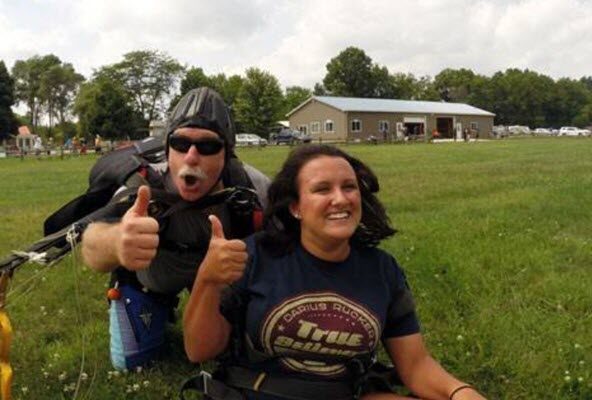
x,y
98,145
298,311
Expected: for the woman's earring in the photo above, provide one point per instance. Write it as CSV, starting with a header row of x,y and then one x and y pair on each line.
x,y
296,215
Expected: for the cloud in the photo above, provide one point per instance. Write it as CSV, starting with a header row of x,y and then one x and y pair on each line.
x,y
295,40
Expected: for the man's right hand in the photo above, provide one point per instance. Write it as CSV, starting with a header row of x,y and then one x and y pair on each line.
x,y
225,260
137,241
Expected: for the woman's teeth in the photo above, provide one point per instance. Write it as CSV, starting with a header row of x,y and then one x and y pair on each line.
x,y
339,215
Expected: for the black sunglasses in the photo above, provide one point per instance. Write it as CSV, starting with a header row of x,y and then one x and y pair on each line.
x,y
205,147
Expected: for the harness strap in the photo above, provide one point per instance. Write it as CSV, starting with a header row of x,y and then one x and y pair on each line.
x,y
210,388
287,388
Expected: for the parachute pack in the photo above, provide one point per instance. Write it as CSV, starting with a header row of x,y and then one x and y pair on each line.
x,y
110,172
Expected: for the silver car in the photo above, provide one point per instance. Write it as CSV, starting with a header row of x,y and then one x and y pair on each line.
x,y
250,139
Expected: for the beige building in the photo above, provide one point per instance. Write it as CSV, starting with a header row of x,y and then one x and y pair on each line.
x,y
354,119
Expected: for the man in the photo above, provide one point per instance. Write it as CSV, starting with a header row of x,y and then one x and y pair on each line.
x,y
152,259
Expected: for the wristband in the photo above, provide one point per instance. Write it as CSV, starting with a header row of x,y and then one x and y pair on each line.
x,y
458,389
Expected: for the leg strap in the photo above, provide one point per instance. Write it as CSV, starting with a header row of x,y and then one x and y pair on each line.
x,y
287,388
210,388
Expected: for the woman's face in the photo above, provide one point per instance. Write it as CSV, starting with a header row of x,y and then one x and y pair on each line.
x,y
329,204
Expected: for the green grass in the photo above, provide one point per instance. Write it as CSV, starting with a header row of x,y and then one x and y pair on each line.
x,y
496,240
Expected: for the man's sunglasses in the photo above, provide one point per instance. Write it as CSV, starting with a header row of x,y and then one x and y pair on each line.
x,y
205,147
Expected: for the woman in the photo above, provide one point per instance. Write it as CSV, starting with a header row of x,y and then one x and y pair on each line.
x,y
311,296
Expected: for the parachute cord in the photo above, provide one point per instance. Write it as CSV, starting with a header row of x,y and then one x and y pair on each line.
x,y
32,256
72,238
16,293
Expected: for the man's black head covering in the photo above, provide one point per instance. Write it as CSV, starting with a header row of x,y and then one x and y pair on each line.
x,y
203,108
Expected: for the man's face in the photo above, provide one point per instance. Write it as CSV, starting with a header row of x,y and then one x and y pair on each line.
x,y
193,173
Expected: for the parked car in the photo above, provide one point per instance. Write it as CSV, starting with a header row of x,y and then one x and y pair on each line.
x,y
250,139
519,130
584,132
500,131
543,132
290,136
303,137
569,131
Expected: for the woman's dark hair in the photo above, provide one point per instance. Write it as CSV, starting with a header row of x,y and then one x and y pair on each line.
x,y
282,230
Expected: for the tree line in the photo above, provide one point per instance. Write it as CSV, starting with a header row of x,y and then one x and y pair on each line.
x,y
119,100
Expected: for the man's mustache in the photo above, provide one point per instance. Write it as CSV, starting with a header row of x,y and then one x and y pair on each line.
x,y
192,172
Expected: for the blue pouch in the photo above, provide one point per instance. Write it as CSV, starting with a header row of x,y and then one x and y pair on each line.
x,y
137,327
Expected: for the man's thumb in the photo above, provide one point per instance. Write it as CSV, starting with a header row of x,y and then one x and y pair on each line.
x,y
217,229
140,207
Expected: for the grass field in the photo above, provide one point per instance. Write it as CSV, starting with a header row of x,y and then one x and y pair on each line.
x,y
495,237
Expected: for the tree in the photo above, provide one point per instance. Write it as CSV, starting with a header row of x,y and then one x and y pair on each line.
x,y
425,90
28,75
194,78
7,119
58,87
570,99
103,107
46,86
524,98
584,116
353,74
384,84
295,95
350,74
455,85
259,101
148,77
404,85
229,88
319,90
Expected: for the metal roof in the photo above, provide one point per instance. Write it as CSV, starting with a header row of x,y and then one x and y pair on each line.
x,y
397,106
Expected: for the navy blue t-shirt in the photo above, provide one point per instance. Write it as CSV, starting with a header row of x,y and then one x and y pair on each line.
x,y
314,315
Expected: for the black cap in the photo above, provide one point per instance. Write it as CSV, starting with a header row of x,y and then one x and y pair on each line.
x,y
203,108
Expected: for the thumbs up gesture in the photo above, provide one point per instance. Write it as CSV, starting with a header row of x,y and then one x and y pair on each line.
x,y
137,241
225,260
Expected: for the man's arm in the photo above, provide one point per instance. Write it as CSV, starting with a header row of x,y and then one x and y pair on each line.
x,y
98,246
131,243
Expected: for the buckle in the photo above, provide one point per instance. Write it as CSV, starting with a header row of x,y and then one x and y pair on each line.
x,y
259,381
206,377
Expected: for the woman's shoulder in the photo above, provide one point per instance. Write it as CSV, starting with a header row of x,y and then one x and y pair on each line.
x,y
382,260
376,254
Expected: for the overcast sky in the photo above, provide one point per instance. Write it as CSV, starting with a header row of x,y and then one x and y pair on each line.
x,y
294,40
